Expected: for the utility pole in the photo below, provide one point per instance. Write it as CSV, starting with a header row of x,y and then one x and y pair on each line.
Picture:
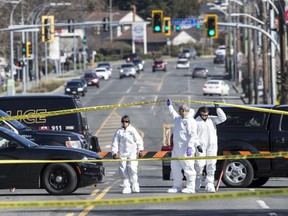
x,y
250,70
265,55
283,62
110,18
256,72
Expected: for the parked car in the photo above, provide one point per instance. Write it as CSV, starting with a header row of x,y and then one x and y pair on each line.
x,y
41,104
219,87
75,87
127,70
219,59
200,72
44,137
103,73
92,79
56,178
139,63
183,63
221,50
159,65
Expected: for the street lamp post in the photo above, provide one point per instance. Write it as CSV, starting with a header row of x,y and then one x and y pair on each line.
x,y
35,19
10,83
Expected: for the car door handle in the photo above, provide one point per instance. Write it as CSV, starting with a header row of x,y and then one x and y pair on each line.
x,y
280,140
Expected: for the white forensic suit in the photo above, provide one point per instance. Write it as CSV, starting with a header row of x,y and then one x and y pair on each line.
x,y
184,136
127,142
207,138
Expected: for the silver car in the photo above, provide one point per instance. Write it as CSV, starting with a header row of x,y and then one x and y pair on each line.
x,y
127,70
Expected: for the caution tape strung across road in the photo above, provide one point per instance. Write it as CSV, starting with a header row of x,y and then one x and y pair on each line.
x,y
160,156
142,200
104,107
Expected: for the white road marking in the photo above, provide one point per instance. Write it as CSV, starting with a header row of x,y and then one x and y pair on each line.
x,y
262,204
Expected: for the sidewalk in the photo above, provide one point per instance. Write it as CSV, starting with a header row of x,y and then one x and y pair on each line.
x,y
50,77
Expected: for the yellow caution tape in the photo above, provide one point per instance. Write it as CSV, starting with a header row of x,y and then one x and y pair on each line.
x,y
253,108
143,200
104,107
71,111
221,157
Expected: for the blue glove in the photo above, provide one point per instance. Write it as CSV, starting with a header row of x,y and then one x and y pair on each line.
x,y
169,102
189,151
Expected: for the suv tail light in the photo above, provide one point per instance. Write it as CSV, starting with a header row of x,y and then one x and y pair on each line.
x,y
167,148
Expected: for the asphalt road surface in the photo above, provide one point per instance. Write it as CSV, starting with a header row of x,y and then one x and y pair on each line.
x,y
149,120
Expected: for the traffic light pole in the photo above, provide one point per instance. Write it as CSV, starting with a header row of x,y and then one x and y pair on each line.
x,y
240,25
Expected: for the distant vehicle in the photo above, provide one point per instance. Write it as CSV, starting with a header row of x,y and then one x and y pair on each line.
x,y
103,73
221,50
106,65
139,64
219,59
56,178
183,63
92,79
219,87
188,53
127,70
199,72
131,56
159,65
85,84
74,87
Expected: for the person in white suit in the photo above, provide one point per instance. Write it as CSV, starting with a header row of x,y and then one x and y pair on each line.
x,y
208,140
184,145
128,144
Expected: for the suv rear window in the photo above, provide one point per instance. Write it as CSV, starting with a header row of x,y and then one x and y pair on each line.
x,y
244,119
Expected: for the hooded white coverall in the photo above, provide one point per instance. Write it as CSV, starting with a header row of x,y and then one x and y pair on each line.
x,y
207,137
184,136
127,143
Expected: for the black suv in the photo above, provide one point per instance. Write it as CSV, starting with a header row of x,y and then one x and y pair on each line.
x,y
45,137
36,104
75,87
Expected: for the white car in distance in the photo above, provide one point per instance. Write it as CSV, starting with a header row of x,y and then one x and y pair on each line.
x,y
221,50
103,73
219,87
183,63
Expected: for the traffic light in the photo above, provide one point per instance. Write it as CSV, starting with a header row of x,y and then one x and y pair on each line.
x,y
28,49
167,26
212,26
198,26
71,27
48,28
177,28
84,41
157,21
23,49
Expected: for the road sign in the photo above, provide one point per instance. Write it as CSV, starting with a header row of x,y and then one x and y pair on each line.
x,y
190,21
138,31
